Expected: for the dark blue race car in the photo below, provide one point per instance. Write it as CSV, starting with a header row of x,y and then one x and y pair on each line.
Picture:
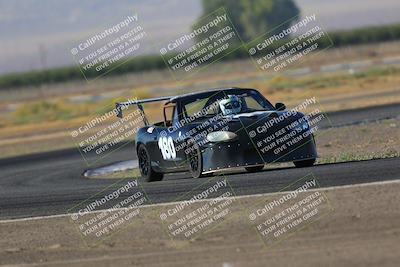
x,y
219,130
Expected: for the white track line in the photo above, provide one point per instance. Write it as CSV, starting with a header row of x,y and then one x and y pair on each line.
x,y
236,197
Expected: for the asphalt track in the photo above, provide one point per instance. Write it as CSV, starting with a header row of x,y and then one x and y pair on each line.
x,y
51,183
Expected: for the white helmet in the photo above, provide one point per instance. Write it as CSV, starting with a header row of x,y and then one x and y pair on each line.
x,y
230,105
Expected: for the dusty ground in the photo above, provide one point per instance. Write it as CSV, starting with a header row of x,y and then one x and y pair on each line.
x,y
362,230
359,142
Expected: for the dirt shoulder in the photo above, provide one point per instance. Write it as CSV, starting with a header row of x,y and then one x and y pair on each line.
x,y
361,230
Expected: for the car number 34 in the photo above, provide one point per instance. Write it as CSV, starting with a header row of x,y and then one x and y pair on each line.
x,y
167,147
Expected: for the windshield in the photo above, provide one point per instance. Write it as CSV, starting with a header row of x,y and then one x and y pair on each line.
x,y
226,103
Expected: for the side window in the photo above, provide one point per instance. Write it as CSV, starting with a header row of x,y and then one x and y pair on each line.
x,y
195,106
213,109
251,103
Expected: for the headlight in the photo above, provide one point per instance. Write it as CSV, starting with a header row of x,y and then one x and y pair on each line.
x,y
221,136
303,126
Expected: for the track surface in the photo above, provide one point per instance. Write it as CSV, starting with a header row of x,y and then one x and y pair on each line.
x,y
51,183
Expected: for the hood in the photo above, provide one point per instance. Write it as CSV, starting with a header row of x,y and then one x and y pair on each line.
x,y
253,119
278,118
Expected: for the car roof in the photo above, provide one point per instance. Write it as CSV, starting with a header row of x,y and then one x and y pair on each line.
x,y
201,94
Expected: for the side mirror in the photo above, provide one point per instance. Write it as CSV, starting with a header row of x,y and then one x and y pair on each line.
x,y
280,106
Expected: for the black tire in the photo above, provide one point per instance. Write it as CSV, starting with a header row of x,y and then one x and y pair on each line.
x,y
145,168
254,168
195,160
304,163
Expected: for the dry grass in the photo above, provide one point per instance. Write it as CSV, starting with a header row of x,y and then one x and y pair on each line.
x,y
353,92
46,120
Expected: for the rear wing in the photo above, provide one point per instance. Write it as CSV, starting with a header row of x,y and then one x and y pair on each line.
x,y
120,106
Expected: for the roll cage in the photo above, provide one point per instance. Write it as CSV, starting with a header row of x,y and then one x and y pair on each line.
x,y
120,106
177,103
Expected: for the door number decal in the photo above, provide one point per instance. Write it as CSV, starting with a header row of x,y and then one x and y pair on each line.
x,y
167,147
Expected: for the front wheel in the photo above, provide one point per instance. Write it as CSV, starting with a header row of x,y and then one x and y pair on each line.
x,y
195,159
304,163
145,168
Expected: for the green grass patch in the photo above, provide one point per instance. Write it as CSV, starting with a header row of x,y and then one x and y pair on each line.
x,y
45,111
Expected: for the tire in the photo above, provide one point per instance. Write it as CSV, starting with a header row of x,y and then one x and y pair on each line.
x,y
195,160
254,168
145,168
304,163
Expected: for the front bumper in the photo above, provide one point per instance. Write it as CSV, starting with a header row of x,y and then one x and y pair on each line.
x,y
245,153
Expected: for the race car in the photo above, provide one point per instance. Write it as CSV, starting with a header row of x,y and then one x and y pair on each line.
x,y
220,130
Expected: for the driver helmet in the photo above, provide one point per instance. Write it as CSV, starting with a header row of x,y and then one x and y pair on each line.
x,y
230,105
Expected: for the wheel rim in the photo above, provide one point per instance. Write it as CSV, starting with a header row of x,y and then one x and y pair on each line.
x,y
194,160
143,162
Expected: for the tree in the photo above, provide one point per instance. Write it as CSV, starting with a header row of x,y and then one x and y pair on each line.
x,y
253,18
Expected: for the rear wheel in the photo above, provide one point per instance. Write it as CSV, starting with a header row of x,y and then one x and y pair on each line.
x,y
254,168
304,163
195,160
145,168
